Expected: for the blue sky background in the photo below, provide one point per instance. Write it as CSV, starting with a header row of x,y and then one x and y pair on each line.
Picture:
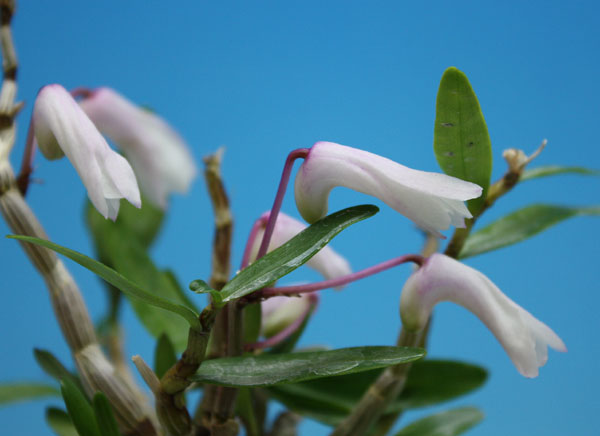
x,y
262,78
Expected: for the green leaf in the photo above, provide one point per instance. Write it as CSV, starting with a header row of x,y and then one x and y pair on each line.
x,y
450,423
245,411
293,253
60,422
554,170
52,366
429,382
25,391
164,355
461,141
201,287
114,278
141,224
79,409
104,416
252,322
519,226
272,369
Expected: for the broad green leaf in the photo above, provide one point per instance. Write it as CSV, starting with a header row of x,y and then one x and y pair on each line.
x,y
104,416
273,369
461,141
114,278
141,224
429,382
60,422
164,355
79,409
293,253
52,366
554,170
25,391
449,423
519,226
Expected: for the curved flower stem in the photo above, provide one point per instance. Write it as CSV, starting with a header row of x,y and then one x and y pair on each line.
x,y
288,331
285,178
340,281
250,242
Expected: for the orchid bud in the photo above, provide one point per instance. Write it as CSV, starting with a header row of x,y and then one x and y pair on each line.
x,y
62,128
159,156
524,338
432,201
281,312
327,262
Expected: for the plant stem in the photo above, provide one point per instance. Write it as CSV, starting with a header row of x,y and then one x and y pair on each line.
x,y
98,374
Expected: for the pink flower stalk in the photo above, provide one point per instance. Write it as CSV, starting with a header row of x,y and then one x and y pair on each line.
x,y
159,156
327,262
61,128
524,338
432,201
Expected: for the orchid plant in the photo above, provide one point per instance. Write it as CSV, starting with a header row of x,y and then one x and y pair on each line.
x,y
240,347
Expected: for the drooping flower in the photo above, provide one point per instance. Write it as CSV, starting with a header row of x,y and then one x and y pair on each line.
x,y
432,201
159,156
327,261
524,338
62,128
279,313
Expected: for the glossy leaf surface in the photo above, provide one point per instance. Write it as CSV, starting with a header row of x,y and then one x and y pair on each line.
x,y
450,423
273,369
461,141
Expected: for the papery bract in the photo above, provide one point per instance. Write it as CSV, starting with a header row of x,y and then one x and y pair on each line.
x,y
432,201
441,278
62,128
159,156
327,261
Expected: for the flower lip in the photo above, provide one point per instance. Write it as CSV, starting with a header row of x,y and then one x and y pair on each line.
x,y
62,128
433,201
159,156
524,338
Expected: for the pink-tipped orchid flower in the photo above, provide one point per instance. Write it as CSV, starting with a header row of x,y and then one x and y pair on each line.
x,y
524,338
432,201
159,156
62,128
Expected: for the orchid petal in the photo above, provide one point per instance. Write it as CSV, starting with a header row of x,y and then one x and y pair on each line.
x,y
524,338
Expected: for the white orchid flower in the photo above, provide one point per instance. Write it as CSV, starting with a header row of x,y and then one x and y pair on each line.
x,y
432,201
62,128
327,261
524,338
159,156
281,312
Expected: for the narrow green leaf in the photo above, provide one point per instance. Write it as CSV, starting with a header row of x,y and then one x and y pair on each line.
x,y
25,391
272,369
104,416
245,411
449,423
293,253
252,322
520,225
116,279
429,382
461,141
60,422
201,287
164,355
79,409
555,170
52,366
